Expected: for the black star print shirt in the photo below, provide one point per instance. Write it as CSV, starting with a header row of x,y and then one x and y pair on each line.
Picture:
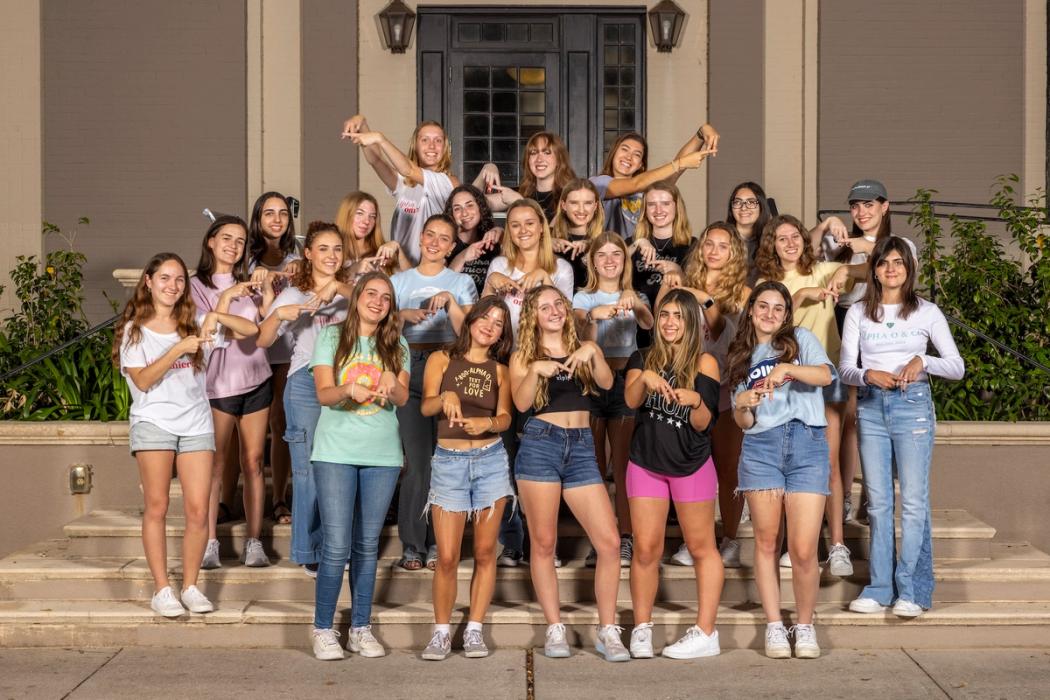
x,y
664,441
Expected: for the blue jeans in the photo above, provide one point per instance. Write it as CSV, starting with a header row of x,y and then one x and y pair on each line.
x,y
301,411
897,427
353,502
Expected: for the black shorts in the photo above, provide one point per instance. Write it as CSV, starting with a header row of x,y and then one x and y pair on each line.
x,y
247,403
609,403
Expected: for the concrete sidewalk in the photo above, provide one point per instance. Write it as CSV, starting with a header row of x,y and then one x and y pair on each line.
x,y
137,672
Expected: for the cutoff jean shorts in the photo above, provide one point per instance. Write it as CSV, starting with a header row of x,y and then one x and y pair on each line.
x,y
792,458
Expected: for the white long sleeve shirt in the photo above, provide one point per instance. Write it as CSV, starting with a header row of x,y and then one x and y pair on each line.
x,y
890,344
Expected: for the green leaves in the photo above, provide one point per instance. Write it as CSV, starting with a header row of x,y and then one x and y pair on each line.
x,y
1007,299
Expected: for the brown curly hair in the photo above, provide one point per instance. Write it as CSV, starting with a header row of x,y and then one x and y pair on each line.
x,y
768,262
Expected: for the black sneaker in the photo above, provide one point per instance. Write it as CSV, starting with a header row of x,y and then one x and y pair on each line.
x,y
510,558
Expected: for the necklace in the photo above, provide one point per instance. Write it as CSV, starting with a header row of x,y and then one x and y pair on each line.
x,y
662,244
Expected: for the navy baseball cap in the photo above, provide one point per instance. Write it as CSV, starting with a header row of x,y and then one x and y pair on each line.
x,y
867,191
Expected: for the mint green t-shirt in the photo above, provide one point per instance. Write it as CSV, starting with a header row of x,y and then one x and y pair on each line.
x,y
362,434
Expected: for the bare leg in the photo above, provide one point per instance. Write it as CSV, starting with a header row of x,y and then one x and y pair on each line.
x,y
590,505
195,475
231,470
804,513
833,506
224,426
483,582
155,474
541,501
726,442
765,520
448,535
280,460
252,429
650,525
697,521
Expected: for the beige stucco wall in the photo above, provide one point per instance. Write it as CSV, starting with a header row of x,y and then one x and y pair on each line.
x,y
677,93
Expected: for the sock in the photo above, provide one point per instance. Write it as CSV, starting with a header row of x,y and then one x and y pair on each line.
x,y
441,628
778,623
473,626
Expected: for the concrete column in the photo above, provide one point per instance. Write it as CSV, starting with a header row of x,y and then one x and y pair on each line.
x,y
790,106
1034,174
274,92
21,184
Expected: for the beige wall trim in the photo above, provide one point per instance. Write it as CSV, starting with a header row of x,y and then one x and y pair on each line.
x,y
21,182
791,106
676,85
274,114
116,433
1034,176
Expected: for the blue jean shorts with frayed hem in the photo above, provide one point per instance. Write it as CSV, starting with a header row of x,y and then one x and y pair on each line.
x,y
792,458
469,481
554,454
146,437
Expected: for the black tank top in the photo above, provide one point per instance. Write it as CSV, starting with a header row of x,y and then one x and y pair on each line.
x,y
564,393
477,386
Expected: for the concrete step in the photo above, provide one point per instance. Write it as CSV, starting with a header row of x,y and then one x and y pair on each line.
x,y
284,624
117,532
1016,572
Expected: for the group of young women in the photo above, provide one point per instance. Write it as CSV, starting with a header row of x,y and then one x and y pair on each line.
x,y
492,372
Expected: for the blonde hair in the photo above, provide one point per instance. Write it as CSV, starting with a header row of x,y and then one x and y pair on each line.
x,y
547,262
603,239
681,231
729,289
444,165
530,350
560,225
353,249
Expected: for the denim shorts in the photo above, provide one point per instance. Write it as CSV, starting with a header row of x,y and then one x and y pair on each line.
x,y
146,437
609,402
792,457
557,455
469,481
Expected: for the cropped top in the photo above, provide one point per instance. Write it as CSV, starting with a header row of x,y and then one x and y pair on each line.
x,y
564,393
477,386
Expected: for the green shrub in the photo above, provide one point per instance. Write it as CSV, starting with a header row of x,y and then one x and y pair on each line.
x,y
1003,298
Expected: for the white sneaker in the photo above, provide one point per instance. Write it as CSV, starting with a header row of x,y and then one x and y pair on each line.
x,y
211,556
785,560
838,561
730,551
868,606
558,563
806,646
363,642
610,645
165,603
906,608
253,554
777,645
693,645
682,557
326,645
439,648
556,646
642,641
195,601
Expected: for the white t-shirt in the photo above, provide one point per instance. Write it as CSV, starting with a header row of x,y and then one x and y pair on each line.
x,y
831,248
562,278
890,345
414,205
414,291
178,402
280,353
305,328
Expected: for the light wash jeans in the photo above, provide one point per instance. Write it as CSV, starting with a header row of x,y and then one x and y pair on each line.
x,y
353,502
301,411
896,427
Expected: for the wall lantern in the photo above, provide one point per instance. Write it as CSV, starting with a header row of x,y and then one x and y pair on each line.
x,y
395,21
666,20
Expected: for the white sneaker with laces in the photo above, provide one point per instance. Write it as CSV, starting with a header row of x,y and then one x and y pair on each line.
x,y
363,642
326,645
806,646
474,646
838,560
869,606
693,645
682,557
785,560
253,554
777,645
439,648
610,645
642,641
211,556
730,551
195,601
906,608
556,646
165,603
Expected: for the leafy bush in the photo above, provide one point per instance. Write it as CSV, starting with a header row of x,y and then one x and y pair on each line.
x,y
79,383
1003,298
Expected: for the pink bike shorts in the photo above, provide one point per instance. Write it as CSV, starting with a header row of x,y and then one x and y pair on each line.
x,y
701,485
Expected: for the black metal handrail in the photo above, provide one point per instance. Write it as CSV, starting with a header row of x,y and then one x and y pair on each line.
x,y
55,350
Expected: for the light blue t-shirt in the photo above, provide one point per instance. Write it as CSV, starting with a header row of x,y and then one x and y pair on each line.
x,y
793,400
414,291
617,336
621,213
